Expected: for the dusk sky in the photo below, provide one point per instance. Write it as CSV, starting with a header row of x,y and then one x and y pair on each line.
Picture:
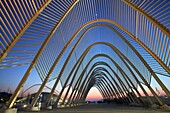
x,y
103,25
10,78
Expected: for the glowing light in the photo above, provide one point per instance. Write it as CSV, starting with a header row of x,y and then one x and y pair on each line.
x,y
94,95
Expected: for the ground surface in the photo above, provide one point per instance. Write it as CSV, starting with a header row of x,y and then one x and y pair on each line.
x,y
100,108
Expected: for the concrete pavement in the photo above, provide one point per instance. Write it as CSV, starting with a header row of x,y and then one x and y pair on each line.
x,y
100,108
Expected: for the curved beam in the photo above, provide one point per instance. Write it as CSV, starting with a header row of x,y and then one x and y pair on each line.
x,y
112,28
149,17
120,71
119,89
113,85
118,99
22,82
46,41
103,69
120,81
81,75
112,79
65,63
30,70
104,90
123,96
72,78
107,87
121,55
80,79
100,91
141,58
116,96
37,85
16,38
121,99
112,88
91,69
135,39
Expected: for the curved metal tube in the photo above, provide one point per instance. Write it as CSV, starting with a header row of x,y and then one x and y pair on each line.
x,y
120,81
118,52
149,17
91,69
26,75
83,26
106,85
25,27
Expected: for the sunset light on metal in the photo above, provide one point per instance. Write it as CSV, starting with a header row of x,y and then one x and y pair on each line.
x,y
120,47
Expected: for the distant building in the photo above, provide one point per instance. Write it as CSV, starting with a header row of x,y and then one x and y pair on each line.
x,y
4,97
42,98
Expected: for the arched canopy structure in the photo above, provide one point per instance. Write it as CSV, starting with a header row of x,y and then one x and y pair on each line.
x,y
113,45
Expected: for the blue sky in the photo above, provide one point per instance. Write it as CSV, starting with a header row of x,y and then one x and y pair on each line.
x,y
10,77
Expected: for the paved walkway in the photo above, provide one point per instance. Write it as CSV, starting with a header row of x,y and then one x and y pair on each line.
x,y
100,108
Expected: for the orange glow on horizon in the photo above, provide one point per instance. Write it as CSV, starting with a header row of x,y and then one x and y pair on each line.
x,y
161,92
94,95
